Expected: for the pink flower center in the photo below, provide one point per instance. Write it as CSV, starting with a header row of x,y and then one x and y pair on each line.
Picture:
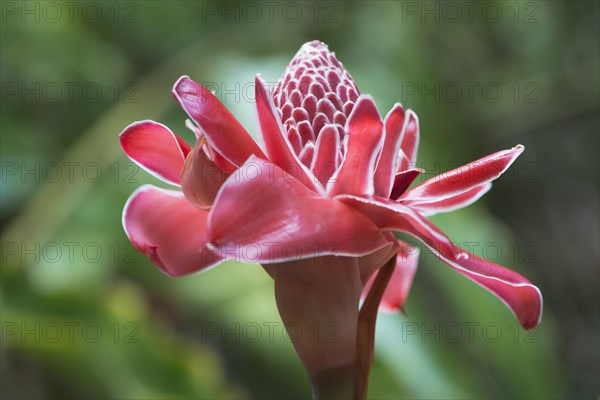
x,y
314,90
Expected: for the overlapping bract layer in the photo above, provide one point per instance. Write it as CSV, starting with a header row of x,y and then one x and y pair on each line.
x,y
330,178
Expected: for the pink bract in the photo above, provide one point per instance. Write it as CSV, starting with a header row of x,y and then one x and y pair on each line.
x,y
315,201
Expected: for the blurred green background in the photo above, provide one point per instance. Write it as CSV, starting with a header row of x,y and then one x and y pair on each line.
x,y
85,316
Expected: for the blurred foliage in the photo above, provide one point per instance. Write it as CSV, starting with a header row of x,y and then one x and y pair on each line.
x,y
102,322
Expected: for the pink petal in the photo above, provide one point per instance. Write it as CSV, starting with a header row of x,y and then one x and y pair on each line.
x,y
402,162
223,131
326,150
410,137
464,178
218,159
402,181
294,139
450,203
520,296
276,143
365,138
392,216
170,231
372,262
201,178
155,148
262,214
306,132
401,280
388,160
307,154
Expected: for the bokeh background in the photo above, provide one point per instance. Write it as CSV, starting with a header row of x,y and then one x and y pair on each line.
x,y
85,316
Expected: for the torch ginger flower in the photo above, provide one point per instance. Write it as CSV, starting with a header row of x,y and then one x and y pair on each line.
x,y
316,203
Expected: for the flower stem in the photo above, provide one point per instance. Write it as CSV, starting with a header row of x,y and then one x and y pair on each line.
x,y
367,318
338,383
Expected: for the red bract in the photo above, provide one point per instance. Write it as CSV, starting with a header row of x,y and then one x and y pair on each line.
x,y
316,203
